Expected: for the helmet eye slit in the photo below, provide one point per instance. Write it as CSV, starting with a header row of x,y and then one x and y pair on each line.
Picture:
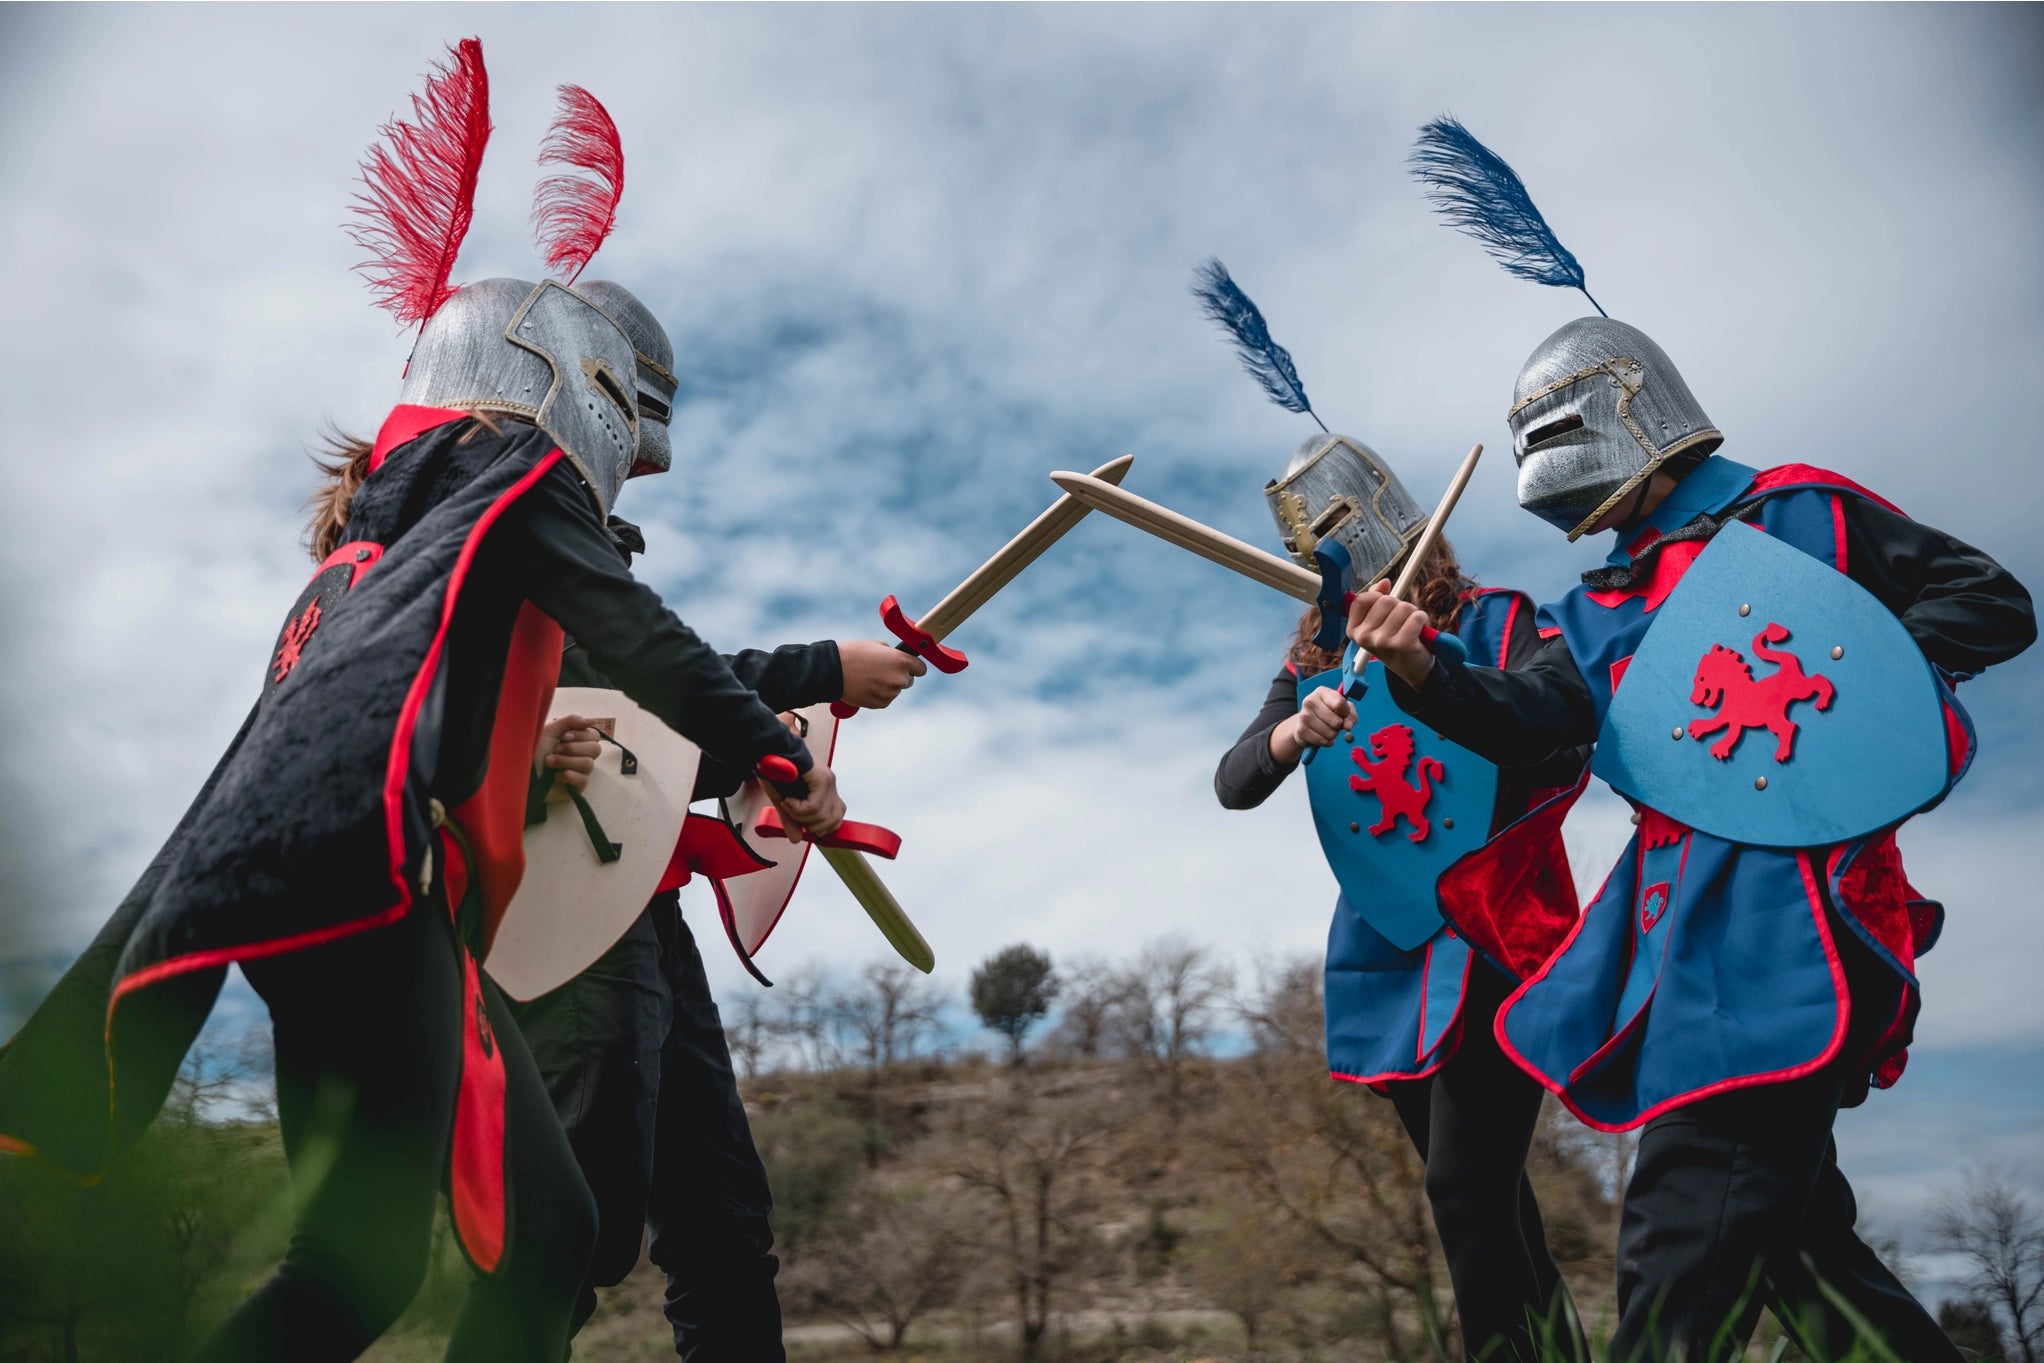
x,y
1550,430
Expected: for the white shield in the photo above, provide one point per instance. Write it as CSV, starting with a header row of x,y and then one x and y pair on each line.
x,y
571,907
757,900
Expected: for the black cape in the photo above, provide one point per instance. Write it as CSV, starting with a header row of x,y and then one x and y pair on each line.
x,y
316,822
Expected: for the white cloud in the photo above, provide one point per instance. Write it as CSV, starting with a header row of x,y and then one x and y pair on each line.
x,y
913,260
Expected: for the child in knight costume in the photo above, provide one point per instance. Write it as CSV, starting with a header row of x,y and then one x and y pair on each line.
x,y
353,849
1418,831
1748,968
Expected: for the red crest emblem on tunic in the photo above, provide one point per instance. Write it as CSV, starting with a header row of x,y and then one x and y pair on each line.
x,y
292,646
1724,680
1652,905
1400,798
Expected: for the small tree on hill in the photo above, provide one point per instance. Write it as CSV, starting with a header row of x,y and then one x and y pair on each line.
x,y
1011,991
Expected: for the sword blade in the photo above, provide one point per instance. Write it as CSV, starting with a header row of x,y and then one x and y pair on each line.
x,y
881,906
1186,533
1017,554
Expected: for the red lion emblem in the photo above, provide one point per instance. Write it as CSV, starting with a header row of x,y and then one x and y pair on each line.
x,y
293,645
1723,679
1393,745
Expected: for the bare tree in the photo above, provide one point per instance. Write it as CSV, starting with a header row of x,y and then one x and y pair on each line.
x,y
1033,1158
2000,1236
1088,993
802,1015
903,1253
1332,1160
887,1014
749,1030
1164,1009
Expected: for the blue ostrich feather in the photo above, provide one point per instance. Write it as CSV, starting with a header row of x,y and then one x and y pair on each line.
x,y
1269,363
1477,192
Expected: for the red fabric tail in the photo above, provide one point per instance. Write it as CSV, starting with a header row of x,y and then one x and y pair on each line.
x,y
571,215
420,189
477,1178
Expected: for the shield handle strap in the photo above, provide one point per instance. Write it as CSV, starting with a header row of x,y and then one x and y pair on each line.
x,y
543,784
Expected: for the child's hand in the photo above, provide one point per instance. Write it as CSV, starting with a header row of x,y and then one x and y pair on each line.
x,y
876,673
1390,631
568,748
1322,717
817,813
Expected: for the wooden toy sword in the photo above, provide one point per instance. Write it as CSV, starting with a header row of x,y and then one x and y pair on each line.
x,y
1324,588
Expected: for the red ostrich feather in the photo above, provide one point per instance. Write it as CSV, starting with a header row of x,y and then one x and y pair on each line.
x,y
420,186
571,214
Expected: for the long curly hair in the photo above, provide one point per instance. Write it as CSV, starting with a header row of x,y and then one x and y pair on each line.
x,y
1440,590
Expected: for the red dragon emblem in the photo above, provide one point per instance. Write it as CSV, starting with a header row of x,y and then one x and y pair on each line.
x,y
1393,746
293,645
1724,679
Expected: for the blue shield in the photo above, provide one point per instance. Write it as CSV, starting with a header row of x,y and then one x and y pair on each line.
x,y
1395,805
1775,702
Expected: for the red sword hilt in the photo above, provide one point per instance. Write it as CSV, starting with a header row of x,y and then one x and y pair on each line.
x,y
869,838
914,640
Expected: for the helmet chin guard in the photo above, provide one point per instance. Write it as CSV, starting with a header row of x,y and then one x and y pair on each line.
x,y
654,370
1336,487
1597,408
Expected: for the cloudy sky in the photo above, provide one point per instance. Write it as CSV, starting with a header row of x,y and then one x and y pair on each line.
x,y
915,258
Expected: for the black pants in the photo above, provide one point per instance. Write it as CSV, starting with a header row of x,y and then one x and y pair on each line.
x,y
1737,1205
368,1041
1472,1122
634,1054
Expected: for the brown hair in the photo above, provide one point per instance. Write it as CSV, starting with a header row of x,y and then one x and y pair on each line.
x,y
343,464
1440,589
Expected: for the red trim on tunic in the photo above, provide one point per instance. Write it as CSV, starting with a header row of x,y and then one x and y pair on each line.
x,y
476,1190
493,819
1793,475
1505,636
399,769
405,424
1838,532
1843,1018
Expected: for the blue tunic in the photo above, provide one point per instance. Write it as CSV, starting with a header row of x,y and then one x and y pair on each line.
x,y
1395,1014
1702,965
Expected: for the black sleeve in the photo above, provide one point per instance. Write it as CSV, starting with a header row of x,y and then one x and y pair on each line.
x,y
1248,773
1964,610
793,675
573,572
789,678
1527,717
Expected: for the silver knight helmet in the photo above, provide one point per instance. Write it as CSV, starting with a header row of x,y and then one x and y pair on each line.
x,y
1597,408
1336,486
541,352
654,370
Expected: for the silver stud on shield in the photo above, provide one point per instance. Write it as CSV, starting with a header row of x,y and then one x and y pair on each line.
x,y
1837,652
1746,609
1760,783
